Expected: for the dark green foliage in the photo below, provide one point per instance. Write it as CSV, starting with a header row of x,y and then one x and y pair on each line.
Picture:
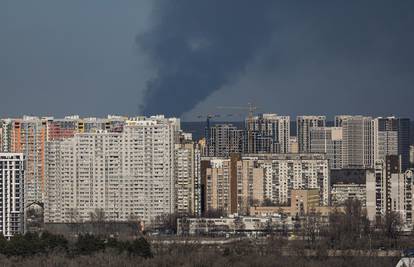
x,y
32,244
53,242
88,244
140,247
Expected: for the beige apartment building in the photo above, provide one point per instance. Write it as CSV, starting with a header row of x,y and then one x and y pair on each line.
x,y
234,185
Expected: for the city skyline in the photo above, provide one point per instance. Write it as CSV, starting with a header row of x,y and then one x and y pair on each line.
x,y
206,133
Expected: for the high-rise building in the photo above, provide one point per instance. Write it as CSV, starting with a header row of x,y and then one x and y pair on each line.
x,y
250,186
28,136
219,183
392,137
267,133
389,189
224,139
285,172
328,140
125,175
404,126
187,178
12,204
303,125
6,132
358,142
340,118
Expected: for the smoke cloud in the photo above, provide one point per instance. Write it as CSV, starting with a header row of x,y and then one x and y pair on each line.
x,y
198,46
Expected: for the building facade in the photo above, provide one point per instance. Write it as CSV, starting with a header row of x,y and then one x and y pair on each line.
x,y
358,142
390,190
267,133
223,140
303,125
283,173
343,192
12,203
187,178
124,175
328,140
392,137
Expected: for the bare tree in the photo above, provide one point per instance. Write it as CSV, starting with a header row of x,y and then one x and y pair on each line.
x,y
312,227
390,226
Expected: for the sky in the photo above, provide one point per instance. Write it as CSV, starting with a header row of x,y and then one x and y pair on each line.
x,y
185,58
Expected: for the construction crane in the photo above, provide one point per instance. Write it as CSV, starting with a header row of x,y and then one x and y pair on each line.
x,y
251,109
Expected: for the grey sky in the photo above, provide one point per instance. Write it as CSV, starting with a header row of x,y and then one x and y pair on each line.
x,y
321,57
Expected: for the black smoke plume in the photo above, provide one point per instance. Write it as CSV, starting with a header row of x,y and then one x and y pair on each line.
x,y
197,46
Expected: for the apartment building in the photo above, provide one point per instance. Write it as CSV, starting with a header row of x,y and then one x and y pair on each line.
x,y
358,142
223,140
342,192
219,184
328,140
128,174
392,137
285,172
250,186
267,133
390,189
303,125
187,178
12,207
29,136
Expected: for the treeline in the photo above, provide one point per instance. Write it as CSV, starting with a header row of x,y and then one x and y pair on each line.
x,y
33,244
350,229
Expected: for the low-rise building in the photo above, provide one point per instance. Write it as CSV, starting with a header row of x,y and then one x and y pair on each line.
x,y
342,192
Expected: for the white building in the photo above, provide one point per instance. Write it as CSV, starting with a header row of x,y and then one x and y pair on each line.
x,y
388,190
328,140
285,172
126,175
358,142
12,204
303,125
187,178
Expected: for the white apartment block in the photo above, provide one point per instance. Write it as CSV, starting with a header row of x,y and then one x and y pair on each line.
x,y
285,172
303,125
126,175
328,140
358,142
388,190
187,178
12,205
401,191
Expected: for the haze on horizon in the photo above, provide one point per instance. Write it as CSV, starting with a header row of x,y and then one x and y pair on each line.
x,y
100,57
